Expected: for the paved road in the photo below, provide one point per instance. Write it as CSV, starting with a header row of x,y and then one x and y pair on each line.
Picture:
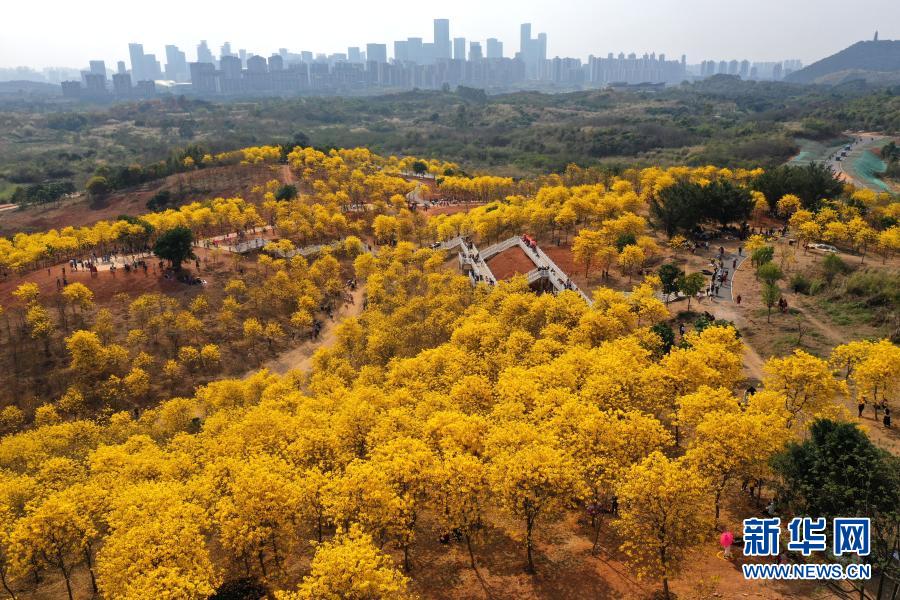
x,y
846,167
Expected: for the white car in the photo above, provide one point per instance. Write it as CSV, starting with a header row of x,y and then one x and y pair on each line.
x,y
823,248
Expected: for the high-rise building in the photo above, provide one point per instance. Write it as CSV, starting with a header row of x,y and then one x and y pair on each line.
x,y
376,53
475,51
276,63
354,55
441,39
225,50
230,67
257,64
532,51
401,51
120,67
94,83
242,54
122,84
98,67
136,54
494,48
203,77
176,64
152,70
459,48
415,51
204,54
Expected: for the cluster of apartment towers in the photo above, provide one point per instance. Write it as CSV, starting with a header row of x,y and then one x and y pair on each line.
x,y
415,64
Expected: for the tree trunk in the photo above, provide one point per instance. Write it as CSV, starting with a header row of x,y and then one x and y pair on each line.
x,y
319,527
68,584
471,553
275,551
529,526
12,594
262,563
596,536
90,566
665,580
718,507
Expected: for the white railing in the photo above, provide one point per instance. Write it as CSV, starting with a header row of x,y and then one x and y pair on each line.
x,y
499,247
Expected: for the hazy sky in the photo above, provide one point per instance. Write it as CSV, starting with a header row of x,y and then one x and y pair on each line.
x,y
69,33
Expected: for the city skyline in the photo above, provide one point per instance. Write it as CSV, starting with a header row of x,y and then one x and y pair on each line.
x,y
416,63
698,28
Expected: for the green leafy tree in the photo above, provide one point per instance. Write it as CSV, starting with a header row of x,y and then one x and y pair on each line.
x,y
770,296
762,255
690,285
97,186
769,273
677,208
669,274
812,183
175,246
839,472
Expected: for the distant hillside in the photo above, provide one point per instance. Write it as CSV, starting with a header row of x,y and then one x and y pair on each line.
x,y
872,61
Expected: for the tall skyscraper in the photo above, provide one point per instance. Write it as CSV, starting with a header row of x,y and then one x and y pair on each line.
x,y
122,84
98,67
225,50
475,51
441,39
136,54
524,39
376,53
532,51
204,54
401,51
494,48
459,48
176,64
414,50
354,55
152,70
120,67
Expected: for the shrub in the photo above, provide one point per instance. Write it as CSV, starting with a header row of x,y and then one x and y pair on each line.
x,y
160,200
816,286
800,284
286,192
833,266
626,239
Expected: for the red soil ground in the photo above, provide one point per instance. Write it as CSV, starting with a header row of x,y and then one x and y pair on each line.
x,y
226,182
106,285
510,263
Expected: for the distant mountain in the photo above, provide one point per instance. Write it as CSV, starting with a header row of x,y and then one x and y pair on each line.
x,y
874,61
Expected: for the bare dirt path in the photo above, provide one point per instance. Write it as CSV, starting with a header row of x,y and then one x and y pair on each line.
x,y
828,332
287,176
300,358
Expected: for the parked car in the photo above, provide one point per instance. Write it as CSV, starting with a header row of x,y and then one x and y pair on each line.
x,y
822,248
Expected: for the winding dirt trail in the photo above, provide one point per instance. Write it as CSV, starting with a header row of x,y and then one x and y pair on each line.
x,y
300,358
287,176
